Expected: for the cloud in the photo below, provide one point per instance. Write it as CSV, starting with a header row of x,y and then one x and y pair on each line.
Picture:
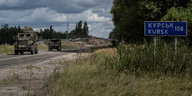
x,y
95,18
62,6
88,16
43,13
11,3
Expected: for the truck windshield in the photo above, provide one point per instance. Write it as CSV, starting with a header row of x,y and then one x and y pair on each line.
x,y
22,42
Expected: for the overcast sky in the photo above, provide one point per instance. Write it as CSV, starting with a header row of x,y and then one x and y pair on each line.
x,y
43,13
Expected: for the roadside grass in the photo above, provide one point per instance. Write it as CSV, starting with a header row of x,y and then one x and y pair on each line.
x,y
9,49
72,45
43,47
6,49
94,76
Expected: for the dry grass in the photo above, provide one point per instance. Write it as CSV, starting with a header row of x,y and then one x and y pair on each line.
x,y
91,78
6,49
107,51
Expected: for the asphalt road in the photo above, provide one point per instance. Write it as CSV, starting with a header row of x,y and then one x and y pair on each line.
x,y
11,59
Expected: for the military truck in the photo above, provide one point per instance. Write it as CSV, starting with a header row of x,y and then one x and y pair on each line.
x,y
54,44
26,41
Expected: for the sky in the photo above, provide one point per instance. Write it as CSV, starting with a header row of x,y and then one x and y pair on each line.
x,y
41,14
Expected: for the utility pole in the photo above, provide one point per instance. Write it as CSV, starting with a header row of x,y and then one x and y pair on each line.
x,y
67,30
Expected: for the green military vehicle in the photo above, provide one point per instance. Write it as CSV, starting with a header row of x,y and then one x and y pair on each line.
x,y
26,41
54,44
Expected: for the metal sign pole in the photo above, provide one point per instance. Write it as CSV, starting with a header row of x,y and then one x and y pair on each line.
x,y
155,44
175,44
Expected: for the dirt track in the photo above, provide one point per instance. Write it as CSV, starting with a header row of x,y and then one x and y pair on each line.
x,y
29,71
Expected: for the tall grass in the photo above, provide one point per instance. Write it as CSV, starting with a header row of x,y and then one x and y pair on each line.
x,y
141,59
89,77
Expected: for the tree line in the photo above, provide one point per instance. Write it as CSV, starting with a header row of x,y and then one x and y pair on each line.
x,y
129,17
80,31
7,33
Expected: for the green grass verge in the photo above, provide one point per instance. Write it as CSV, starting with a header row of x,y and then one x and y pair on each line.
x,y
91,77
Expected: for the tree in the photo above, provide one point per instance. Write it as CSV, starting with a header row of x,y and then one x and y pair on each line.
x,y
85,30
80,32
181,14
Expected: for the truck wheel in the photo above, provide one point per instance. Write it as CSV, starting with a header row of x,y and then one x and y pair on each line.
x,y
21,52
59,49
50,49
32,50
16,52
36,50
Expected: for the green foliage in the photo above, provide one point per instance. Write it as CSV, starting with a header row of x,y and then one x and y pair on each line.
x,y
85,30
181,14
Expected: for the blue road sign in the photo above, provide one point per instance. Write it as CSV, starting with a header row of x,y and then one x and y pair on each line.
x,y
155,28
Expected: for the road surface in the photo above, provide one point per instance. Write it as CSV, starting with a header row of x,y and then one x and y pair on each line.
x,y
11,59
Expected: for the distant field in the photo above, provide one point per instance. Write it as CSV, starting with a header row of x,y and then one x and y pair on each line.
x,y
73,45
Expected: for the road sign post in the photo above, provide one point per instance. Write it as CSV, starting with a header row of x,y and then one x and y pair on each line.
x,y
163,28
155,44
175,44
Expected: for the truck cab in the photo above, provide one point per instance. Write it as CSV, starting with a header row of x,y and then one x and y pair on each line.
x,y
26,42
54,44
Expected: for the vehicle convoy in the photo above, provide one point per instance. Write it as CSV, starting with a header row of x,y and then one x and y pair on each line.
x,y
26,41
54,44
